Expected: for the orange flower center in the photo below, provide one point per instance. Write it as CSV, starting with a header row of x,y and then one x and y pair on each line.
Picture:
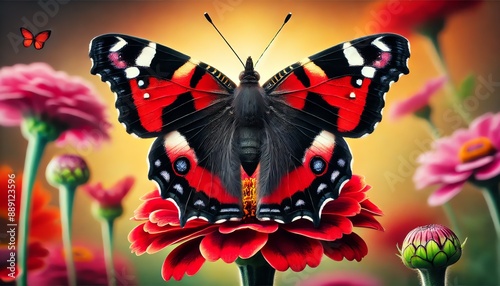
x,y
81,254
476,148
249,191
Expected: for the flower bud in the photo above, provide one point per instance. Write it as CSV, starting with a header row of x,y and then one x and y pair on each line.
x,y
67,170
429,247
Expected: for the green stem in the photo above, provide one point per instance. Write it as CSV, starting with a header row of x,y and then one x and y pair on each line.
x,y
255,271
441,66
34,152
433,277
452,218
107,237
492,197
66,198
450,214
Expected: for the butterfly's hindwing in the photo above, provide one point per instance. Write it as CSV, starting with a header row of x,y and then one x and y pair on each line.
x,y
302,192
196,191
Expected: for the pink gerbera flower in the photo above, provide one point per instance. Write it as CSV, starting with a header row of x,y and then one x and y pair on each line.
x,y
283,246
418,101
68,104
468,154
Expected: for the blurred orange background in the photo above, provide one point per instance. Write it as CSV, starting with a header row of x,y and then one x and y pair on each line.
x,y
386,158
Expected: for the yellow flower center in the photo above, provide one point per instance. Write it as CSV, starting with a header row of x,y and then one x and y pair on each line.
x,y
81,254
249,191
476,148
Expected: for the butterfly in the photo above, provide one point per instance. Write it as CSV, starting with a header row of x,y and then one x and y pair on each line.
x,y
213,135
37,41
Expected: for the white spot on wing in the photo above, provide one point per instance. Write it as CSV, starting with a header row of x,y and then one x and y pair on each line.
x,y
359,82
146,56
352,95
119,45
132,72
199,203
341,162
140,82
321,187
300,203
368,72
352,55
165,175
227,210
146,95
334,176
379,44
178,188
158,163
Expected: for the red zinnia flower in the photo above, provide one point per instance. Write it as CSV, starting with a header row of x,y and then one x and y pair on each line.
x,y
409,16
283,246
44,222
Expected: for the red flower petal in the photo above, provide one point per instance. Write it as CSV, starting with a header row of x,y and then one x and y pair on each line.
x,y
350,247
344,206
371,207
366,219
140,240
260,226
285,250
155,204
243,243
184,259
332,227
176,234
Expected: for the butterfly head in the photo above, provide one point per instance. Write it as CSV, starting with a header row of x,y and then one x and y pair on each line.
x,y
249,75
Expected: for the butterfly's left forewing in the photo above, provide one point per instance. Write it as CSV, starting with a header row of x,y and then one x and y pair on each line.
x,y
27,37
335,93
163,93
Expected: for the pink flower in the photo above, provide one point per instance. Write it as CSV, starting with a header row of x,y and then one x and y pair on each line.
x,y
417,101
66,103
468,154
113,196
90,268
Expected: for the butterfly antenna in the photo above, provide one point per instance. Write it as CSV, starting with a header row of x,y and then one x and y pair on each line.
x,y
210,21
272,40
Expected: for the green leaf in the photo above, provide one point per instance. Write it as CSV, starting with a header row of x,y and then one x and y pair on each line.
x,y
466,87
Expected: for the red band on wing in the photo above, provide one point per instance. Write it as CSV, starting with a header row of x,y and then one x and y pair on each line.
x,y
204,99
302,177
200,178
350,101
151,101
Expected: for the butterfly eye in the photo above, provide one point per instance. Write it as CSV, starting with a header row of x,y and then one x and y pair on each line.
x,y
318,165
182,166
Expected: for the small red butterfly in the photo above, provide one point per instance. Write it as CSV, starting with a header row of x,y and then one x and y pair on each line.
x,y
38,41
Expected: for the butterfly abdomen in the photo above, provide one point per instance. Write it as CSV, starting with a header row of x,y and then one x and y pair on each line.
x,y
249,110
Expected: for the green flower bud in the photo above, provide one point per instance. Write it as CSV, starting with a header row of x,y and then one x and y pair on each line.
x,y
430,247
67,170
106,212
